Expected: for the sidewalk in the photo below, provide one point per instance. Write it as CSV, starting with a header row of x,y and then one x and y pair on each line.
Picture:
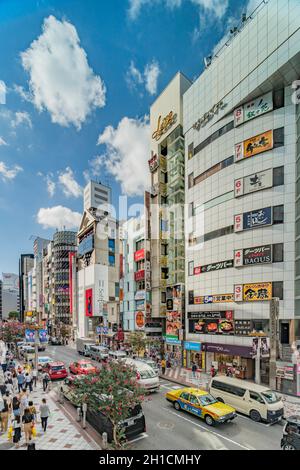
x,y
184,377
62,433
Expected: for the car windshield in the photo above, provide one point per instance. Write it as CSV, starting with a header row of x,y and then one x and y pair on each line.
x,y
147,374
270,396
55,368
86,366
207,400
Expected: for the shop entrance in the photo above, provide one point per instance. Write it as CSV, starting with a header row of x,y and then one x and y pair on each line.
x,y
242,367
285,333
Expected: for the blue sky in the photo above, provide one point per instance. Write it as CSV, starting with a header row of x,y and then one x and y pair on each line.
x,y
78,78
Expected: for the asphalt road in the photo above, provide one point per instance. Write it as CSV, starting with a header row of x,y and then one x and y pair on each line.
x,y
168,429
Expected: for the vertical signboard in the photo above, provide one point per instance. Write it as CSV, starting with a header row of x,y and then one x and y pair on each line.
x,y
238,258
89,302
238,292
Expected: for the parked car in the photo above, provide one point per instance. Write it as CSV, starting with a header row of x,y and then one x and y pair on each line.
x,y
83,346
55,341
256,401
56,370
145,375
291,433
43,361
133,426
98,353
82,367
150,363
28,353
117,355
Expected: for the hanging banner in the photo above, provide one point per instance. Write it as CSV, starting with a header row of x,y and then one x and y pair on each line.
x,y
253,146
30,336
257,291
173,324
43,336
89,302
139,320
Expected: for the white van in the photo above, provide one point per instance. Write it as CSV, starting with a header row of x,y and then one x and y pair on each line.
x,y
256,401
146,376
98,353
117,355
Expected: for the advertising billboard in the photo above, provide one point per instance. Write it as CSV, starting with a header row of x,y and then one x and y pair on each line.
x,y
252,109
213,267
89,302
139,275
254,146
139,320
43,336
173,323
139,255
86,245
219,323
213,299
29,336
255,182
257,291
256,255
253,219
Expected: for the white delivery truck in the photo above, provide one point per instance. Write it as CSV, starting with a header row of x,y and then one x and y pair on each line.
x,y
83,346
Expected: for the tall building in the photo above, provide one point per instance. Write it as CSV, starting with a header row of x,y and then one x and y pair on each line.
x,y
242,141
167,211
98,301
9,296
25,265
96,194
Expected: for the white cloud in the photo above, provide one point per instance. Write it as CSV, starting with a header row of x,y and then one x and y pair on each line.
x,y
127,154
9,173
149,78
2,141
151,74
21,117
2,92
58,217
214,7
51,185
61,80
69,185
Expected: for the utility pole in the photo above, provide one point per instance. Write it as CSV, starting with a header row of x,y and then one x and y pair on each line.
x,y
36,346
274,314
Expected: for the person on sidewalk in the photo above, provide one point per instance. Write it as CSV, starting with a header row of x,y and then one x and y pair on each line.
x,y
163,366
21,381
46,380
4,415
28,380
213,372
45,413
16,406
16,424
194,370
34,376
28,421
32,410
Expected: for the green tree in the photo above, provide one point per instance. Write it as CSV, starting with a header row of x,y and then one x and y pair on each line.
x,y
12,331
138,342
112,390
13,315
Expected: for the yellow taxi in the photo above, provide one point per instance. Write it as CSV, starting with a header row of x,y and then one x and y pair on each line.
x,y
201,403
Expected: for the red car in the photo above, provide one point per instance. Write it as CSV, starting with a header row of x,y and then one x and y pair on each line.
x,y
82,367
56,370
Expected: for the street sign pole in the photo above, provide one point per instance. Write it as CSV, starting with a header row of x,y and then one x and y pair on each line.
x,y
36,347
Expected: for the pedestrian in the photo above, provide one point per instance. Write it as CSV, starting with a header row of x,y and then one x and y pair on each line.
x,y
16,406
194,369
9,387
46,380
23,402
31,444
28,380
34,376
45,413
3,389
15,382
28,421
21,381
16,424
213,371
163,366
4,415
32,410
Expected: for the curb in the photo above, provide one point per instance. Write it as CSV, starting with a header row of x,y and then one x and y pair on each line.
x,y
184,384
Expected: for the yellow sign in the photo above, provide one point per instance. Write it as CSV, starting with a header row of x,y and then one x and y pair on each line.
x,y
258,291
164,125
258,144
28,314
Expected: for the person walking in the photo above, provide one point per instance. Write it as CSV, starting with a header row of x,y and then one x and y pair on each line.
x,y
28,380
194,370
46,379
16,404
163,366
21,381
23,401
213,372
45,413
9,387
16,424
4,415
34,376
15,382
32,410
28,421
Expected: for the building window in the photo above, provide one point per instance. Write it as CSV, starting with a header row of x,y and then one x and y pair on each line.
x,y
278,214
191,268
111,244
278,137
128,286
191,209
214,169
191,150
128,306
191,180
278,98
111,260
191,297
277,252
278,176
222,131
163,297
277,288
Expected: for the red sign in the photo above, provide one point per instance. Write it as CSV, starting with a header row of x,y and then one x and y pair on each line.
x,y
89,303
197,270
139,320
139,275
139,255
71,261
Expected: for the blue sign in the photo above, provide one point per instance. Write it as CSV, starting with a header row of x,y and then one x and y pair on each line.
x,y
30,336
101,330
173,341
43,336
257,218
98,330
188,346
86,245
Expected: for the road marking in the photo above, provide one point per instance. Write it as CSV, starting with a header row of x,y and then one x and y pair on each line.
x,y
212,432
165,386
260,424
142,436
